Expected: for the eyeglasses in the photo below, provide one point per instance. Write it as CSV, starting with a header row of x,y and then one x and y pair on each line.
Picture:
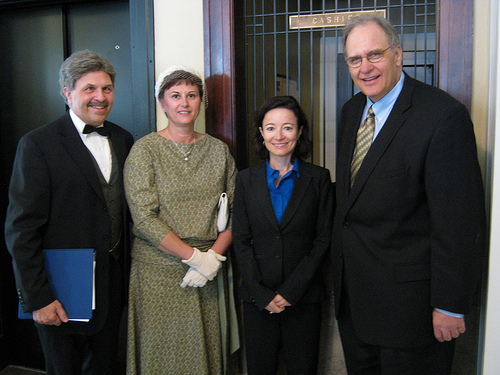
x,y
373,57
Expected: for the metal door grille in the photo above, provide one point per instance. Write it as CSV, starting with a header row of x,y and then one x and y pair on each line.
x,y
309,64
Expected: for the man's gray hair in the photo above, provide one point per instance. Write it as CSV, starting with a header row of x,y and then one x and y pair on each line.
x,y
79,64
386,25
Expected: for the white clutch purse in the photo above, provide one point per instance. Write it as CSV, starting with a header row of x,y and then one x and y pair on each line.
x,y
222,213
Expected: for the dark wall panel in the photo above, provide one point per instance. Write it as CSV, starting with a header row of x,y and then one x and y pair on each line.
x,y
105,29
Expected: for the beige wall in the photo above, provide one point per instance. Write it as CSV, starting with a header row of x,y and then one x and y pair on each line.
x,y
486,85
178,32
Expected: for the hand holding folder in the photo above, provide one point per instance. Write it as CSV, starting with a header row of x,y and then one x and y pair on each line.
x,y
71,277
52,314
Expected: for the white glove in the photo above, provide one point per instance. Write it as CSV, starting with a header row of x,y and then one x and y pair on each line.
x,y
222,258
205,263
193,278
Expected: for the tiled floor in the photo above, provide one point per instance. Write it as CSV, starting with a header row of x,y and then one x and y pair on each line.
x,y
331,355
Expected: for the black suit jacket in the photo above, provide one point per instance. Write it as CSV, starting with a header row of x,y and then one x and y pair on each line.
x,y
56,201
284,258
409,236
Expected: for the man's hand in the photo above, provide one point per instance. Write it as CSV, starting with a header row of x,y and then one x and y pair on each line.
x,y
447,327
52,314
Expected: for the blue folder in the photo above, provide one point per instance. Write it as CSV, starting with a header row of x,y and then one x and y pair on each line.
x,y
71,276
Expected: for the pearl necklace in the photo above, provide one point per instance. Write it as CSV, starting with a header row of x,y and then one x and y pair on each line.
x,y
186,154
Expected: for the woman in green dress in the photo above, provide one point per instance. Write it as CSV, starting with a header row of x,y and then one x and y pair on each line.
x,y
173,181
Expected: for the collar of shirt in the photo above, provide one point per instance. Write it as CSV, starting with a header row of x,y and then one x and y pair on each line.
x,y
80,124
97,144
384,106
273,174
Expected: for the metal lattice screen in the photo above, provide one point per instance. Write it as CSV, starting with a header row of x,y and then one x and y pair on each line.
x,y
308,63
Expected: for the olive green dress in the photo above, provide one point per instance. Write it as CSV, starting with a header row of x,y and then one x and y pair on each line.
x,y
172,330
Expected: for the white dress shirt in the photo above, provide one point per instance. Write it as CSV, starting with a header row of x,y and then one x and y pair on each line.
x,y
97,144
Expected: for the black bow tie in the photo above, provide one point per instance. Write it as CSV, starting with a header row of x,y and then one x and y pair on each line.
x,y
103,130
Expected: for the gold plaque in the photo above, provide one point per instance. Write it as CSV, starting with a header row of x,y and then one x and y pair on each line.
x,y
326,19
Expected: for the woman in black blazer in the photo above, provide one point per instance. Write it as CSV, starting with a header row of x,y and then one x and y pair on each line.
x,y
281,234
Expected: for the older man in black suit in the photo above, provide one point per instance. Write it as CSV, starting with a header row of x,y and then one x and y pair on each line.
x,y
409,226
66,192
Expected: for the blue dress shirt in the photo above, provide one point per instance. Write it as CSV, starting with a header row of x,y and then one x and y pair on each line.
x,y
383,107
281,195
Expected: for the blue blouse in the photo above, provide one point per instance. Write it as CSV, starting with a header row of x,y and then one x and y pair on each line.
x,y
281,195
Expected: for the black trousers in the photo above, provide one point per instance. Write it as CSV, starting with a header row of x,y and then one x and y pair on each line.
x,y
295,332
365,359
74,354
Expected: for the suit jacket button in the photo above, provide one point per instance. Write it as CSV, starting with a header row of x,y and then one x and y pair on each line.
x,y
346,224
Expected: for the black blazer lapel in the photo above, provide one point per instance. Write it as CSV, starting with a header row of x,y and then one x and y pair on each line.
x,y
119,145
299,190
261,194
74,146
347,144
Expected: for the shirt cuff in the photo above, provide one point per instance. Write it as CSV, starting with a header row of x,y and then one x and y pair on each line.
x,y
450,313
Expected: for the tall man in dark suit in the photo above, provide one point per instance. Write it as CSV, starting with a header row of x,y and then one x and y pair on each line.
x,y
66,191
409,225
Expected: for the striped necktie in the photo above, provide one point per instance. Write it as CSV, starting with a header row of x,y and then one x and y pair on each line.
x,y
364,140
